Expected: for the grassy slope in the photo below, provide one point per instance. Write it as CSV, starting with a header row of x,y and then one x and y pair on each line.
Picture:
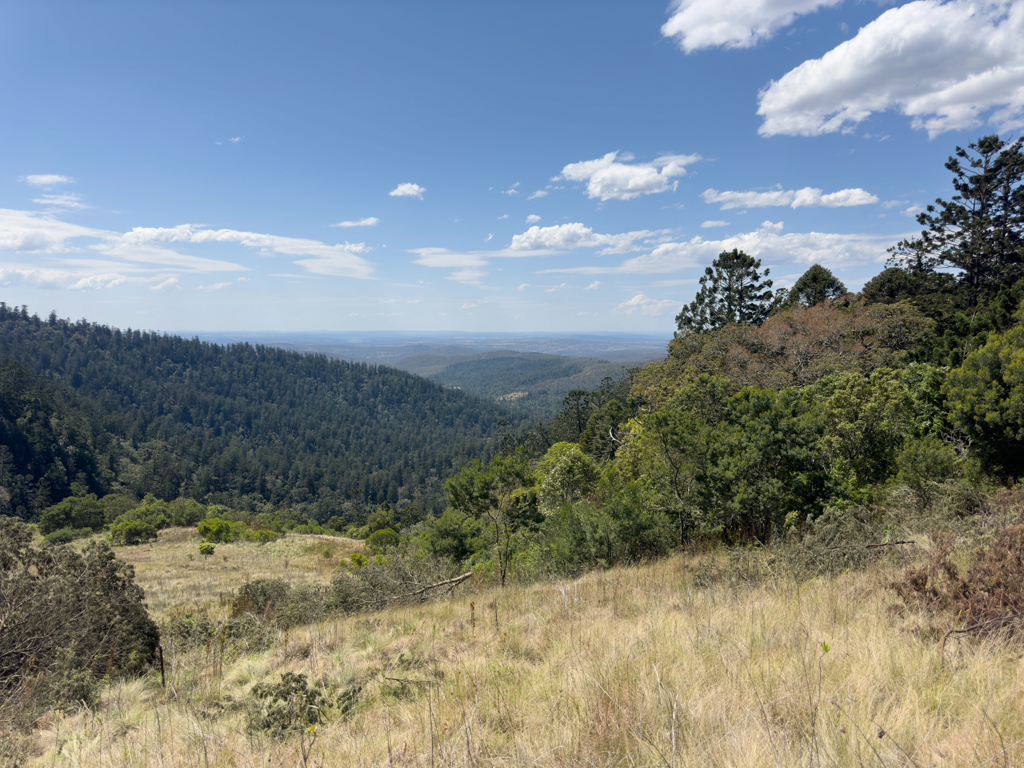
x,y
637,666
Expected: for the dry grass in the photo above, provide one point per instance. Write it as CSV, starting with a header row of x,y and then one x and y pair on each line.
x,y
177,579
637,666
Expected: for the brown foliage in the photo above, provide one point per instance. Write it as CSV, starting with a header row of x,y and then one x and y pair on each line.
x,y
793,347
988,597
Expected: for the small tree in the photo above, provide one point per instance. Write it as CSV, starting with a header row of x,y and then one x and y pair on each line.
x,y
733,290
815,286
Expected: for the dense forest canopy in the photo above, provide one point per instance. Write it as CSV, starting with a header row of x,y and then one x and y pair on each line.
x,y
86,408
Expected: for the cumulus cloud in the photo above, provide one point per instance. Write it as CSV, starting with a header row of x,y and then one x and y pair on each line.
x,y
945,65
214,287
511,190
65,200
489,238
593,286
767,242
646,305
236,139
46,179
801,198
533,218
707,224
503,216
564,237
369,221
698,24
538,194
614,177
408,190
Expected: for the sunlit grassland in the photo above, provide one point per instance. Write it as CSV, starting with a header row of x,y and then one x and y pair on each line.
x,y
177,579
648,665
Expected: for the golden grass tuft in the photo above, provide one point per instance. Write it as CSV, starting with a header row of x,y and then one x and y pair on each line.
x,y
632,666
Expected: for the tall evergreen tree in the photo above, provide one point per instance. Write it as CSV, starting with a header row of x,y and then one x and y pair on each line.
x,y
732,290
815,286
980,231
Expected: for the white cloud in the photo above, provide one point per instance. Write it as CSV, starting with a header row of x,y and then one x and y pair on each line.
x,y
564,237
894,203
369,221
912,210
408,190
612,177
340,260
538,194
236,139
99,282
66,200
554,288
698,24
41,233
214,287
243,279
706,224
488,238
944,65
767,242
647,306
170,282
533,218
46,179
503,216
511,190
593,286
801,198
523,286
468,306
445,259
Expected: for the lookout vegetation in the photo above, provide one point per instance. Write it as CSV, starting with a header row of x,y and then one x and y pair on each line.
x,y
798,540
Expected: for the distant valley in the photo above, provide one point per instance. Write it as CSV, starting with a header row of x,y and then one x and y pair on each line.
x,y
532,372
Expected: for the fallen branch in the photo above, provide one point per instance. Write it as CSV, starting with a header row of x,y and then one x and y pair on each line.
x,y
448,582
874,546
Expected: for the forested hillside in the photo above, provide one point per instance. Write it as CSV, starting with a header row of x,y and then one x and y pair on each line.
x,y
87,408
535,383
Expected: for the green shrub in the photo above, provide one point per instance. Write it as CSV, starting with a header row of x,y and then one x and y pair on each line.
x,y
221,531
131,532
67,535
206,549
85,620
293,705
74,513
381,541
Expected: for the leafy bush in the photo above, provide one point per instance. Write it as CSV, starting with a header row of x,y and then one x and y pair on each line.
x,y
293,705
221,531
77,612
67,535
73,513
131,532
206,549
381,541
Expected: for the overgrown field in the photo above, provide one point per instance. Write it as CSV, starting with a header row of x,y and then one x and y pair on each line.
x,y
704,658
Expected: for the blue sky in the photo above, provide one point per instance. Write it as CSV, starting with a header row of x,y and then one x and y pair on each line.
x,y
529,166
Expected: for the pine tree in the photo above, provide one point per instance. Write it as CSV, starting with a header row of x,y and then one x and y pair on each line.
x,y
732,291
980,231
815,286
